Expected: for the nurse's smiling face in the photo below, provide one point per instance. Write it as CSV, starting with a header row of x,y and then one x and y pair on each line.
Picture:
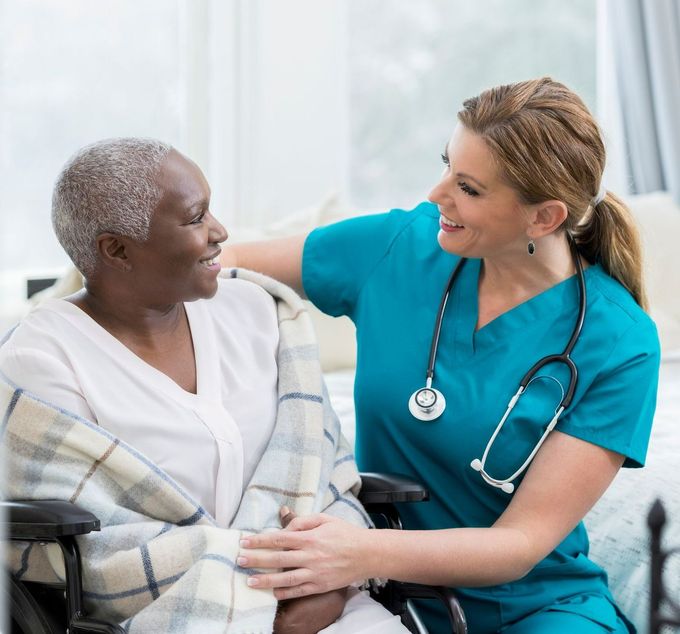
x,y
481,215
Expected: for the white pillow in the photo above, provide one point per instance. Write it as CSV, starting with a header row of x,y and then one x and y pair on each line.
x,y
336,335
659,219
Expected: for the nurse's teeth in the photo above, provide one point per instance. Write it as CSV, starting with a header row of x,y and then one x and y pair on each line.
x,y
449,223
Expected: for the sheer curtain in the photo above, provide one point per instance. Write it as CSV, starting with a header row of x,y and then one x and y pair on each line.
x,y
644,63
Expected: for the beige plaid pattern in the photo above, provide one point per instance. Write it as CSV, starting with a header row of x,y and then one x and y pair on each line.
x,y
160,564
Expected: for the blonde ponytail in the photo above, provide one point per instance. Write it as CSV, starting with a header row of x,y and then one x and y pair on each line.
x,y
608,234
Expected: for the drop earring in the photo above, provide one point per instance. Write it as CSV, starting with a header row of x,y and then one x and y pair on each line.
x,y
531,247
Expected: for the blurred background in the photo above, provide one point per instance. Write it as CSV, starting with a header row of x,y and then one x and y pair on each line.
x,y
284,105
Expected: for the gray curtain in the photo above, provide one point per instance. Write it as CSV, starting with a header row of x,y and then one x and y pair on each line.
x,y
646,37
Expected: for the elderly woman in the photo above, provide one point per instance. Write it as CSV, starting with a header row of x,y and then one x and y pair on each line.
x,y
181,369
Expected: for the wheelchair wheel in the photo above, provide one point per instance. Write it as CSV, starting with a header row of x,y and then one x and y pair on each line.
x,y
27,615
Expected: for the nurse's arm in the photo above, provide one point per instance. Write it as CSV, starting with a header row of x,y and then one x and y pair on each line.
x,y
280,258
566,478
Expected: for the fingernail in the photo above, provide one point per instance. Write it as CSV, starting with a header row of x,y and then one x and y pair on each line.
x,y
284,511
252,581
241,561
244,543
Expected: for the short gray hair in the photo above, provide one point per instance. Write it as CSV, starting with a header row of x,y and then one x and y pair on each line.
x,y
107,186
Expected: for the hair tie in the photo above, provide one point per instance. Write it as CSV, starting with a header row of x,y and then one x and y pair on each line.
x,y
601,193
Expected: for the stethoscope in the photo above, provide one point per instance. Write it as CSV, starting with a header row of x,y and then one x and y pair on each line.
x,y
428,403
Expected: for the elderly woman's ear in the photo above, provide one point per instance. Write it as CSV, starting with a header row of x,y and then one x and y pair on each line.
x,y
111,249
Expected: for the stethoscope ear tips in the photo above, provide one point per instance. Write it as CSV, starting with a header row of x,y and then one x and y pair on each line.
x,y
506,487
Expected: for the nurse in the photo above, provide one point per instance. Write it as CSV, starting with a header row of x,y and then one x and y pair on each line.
x,y
522,173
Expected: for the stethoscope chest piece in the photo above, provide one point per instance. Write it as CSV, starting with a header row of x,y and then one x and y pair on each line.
x,y
427,403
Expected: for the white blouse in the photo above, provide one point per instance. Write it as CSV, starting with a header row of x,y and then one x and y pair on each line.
x,y
209,442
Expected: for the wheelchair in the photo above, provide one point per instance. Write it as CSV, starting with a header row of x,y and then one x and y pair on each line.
x,y
47,609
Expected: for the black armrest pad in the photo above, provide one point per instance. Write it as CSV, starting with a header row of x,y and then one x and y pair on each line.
x,y
386,488
35,519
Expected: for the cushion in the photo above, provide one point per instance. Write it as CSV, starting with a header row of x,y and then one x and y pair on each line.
x,y
659,219
336,335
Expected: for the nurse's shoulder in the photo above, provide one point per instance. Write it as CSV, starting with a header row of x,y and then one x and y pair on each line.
x,y
617,317
378,231
282,258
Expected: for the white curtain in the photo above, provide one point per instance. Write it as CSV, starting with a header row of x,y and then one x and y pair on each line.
x,y
645,38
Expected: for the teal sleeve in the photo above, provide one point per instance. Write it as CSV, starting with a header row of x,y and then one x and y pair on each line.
x,y
339,258
617,409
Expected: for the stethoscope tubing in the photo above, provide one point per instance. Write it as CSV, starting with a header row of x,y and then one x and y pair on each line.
x,y
564,357
429,375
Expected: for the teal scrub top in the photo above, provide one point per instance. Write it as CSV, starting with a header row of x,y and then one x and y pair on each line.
x,y
387,272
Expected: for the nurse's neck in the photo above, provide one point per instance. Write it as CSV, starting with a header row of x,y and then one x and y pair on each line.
x,y
513,276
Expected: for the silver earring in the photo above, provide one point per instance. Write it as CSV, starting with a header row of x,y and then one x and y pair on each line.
x,y
531,247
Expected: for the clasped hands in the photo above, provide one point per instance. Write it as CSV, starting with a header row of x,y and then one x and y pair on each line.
x,y
317,556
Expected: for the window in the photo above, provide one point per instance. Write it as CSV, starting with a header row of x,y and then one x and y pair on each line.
x,y
74,72
280,103
411,65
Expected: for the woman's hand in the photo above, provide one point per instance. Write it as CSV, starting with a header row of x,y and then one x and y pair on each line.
x,y
309,615
318,553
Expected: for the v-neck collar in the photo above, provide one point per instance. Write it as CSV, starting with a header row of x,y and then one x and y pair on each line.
x,y
468,339
202,337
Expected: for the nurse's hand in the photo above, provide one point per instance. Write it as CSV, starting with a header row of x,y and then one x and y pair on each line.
x,y
307,615
319,553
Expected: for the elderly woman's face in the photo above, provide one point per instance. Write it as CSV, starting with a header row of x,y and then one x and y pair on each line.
x,y
179,261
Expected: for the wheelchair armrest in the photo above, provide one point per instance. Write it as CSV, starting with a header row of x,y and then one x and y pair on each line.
x,y
387,488
399,592
46,519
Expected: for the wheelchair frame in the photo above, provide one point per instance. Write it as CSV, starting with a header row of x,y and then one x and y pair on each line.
x,y
60,522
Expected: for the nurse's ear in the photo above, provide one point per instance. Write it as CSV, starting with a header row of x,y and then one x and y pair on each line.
x,y
546,217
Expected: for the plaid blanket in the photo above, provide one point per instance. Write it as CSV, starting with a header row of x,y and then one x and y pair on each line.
x,y
160,563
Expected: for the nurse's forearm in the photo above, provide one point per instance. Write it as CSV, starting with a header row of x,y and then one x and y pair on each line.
x,y
280,258
452,557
